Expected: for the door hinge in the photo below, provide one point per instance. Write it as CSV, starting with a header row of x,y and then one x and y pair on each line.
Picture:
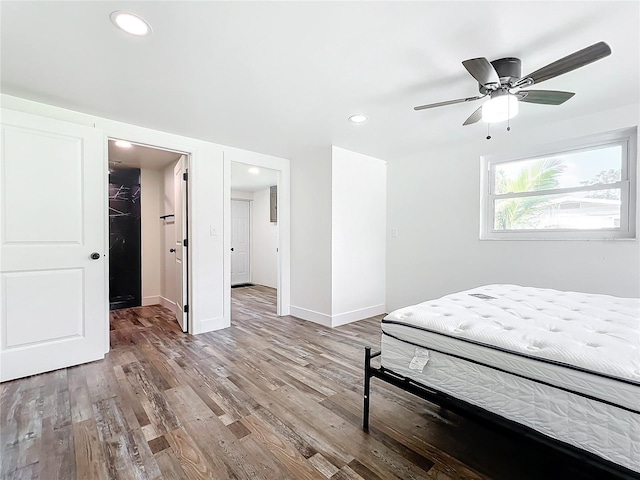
x,y
185,309
185,242
185,176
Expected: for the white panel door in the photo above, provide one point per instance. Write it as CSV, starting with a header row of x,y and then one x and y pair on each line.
x,y
240,272
54,310
180,205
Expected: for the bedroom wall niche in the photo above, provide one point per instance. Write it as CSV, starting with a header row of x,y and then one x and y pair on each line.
x,y
434,206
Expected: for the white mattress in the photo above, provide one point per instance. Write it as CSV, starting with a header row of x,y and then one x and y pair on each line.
x,y
607,431
542,357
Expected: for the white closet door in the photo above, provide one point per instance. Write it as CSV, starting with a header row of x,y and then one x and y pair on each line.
x,y
240,272
54,310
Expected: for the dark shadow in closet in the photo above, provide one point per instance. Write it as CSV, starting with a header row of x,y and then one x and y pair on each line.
x,y
125,282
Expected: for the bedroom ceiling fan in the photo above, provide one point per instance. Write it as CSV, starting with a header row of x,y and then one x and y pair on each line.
x,y
502,82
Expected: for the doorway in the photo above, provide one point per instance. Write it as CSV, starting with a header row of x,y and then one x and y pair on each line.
x,y
157,190
125,273
254,229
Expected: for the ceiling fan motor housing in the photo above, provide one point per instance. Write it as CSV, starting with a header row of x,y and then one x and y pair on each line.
x,y
509,70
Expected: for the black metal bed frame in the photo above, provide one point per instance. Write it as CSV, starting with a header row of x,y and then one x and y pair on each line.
x,y
474,412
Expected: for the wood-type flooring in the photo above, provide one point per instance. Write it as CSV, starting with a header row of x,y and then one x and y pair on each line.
x,y
268,398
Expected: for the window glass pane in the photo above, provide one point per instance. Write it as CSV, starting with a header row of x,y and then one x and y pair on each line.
x,y
601,165
592,210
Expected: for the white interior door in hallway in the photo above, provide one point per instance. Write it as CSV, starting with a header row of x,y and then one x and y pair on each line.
x,y
240,221
180,205
53,288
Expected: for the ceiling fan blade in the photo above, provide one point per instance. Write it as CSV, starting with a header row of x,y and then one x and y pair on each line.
x,y
546,97
474,117
449,102
482,71
571,62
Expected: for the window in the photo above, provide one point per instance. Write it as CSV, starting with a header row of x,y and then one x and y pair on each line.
x,y
583,189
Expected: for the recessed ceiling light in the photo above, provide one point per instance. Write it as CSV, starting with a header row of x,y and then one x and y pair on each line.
x,y
123,144
254,170
130,23
358,118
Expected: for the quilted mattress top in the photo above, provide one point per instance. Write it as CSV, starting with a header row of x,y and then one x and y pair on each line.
x,y
597,333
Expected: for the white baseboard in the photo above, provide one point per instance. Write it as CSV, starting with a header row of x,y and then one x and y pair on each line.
x,y
166,303
338,319
355,315
210,325
154,300
311,316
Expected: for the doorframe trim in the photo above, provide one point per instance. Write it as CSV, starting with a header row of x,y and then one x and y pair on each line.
x,y
284,224
158,144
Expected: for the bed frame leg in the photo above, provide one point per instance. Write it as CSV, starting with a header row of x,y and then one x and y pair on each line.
x,y
367,388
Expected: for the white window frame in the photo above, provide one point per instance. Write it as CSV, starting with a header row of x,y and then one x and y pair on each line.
x,y
628,186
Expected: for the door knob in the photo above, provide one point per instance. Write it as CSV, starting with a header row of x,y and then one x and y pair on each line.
x,y
172,250
94,256
232,249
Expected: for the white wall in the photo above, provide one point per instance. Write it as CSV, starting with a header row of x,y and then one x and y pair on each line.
x,y
168,239
150,193
358,226
434,202
311,235
264,241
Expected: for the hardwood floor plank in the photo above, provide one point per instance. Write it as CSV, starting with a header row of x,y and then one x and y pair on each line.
x,y
323,466
151,396
28,472
90,462
347,473
170,466
286,453
57,459
158,444
129,397
306,437
79,397
21,432
189,455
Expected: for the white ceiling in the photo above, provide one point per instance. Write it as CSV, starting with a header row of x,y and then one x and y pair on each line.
x,y
282,77
242,179
139,156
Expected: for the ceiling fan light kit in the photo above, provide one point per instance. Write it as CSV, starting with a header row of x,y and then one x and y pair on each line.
x,y
502,81
502,106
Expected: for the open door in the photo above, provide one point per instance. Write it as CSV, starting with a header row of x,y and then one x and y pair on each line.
x,y
180,183
53,268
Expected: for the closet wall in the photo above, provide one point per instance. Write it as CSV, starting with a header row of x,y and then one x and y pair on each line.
x,y
150,196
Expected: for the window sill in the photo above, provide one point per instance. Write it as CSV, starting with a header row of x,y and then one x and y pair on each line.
x,y
564,239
